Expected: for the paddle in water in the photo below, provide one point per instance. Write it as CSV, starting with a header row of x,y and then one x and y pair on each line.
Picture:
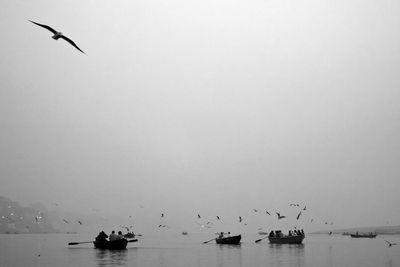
x,y
205,242
258,240
77,243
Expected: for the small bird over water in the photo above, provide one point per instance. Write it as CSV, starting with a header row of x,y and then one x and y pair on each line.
x,y
390,243
57,35
280,216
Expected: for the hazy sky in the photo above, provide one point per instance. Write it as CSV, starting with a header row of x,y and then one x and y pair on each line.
x,y
212,107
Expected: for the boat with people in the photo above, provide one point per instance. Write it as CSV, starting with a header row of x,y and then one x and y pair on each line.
x,y
369,235
231,240
293,238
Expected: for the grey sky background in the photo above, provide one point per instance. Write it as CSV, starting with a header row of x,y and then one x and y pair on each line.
x,y
211,107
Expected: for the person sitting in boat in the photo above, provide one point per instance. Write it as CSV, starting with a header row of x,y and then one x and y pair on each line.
x,y
113,236
291,233
271,234
302,232
120,236
229,234
221,235
102,237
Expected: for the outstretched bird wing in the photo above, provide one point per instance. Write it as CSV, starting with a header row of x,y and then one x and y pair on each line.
x,y
45,26
71,42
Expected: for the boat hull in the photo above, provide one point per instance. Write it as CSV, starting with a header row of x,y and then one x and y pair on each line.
x,y
232,240
363,236
113,245
296,239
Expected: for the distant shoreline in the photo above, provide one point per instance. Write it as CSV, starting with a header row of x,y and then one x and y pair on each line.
x,y
380,230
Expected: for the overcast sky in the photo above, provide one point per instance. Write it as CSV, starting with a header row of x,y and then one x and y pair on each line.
x,y
213,107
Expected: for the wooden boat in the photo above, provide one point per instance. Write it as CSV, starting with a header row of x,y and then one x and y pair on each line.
x,y
262,233
294,239
357,235
114,245
232,240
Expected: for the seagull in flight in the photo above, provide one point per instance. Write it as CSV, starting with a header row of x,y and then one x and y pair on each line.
x,y
298,215
267,212
240,219
198,216
390,244
218,218
280,216
57,35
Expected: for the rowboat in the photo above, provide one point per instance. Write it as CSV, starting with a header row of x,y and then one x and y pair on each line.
x,y
357,235
232,240
294,239
114,245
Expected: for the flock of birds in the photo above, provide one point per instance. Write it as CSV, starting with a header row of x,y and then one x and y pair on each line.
x,y
12,217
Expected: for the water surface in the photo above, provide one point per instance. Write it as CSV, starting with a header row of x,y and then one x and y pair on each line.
x,y
169,250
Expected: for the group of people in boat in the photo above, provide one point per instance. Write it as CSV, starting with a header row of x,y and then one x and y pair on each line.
x,y
112,237
221,235
278,233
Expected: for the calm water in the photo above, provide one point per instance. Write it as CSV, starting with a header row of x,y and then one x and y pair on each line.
x,y
177,250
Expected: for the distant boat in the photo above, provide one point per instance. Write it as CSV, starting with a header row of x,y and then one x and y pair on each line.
x,y
294,239
369,235
232,240
129,235
262,233
184,233
113,245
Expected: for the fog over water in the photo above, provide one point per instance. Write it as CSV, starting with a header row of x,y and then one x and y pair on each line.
x,y
210,107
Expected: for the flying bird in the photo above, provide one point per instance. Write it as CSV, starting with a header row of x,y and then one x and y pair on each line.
x,y
305,208
312,220
240,218
255,210
298,215
65,221
390,244
218,218
198,216
57,35
162,215
294,205
79,222
280,216
267,212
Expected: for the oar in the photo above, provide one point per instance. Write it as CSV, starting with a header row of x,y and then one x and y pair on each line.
x,y
258,240
205,242
77,243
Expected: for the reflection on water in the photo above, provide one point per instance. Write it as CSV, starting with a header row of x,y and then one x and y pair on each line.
x,y
111,257
287,254
229,255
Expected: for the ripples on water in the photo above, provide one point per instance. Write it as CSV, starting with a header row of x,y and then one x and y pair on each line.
x,y
175,251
